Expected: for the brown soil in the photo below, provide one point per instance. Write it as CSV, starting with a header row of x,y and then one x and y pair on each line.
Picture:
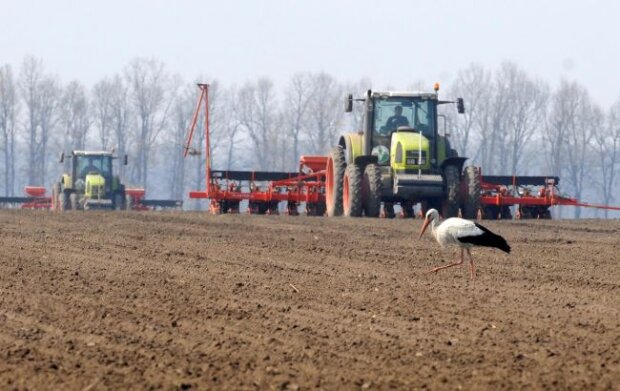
x,y
187,300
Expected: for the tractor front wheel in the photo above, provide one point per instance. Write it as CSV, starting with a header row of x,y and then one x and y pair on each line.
x,y
371,190
336,165
73,201
453,185
407,207
352,191
63,201
472,205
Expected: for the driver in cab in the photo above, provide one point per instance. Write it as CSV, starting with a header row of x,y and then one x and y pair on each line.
x,y
397,120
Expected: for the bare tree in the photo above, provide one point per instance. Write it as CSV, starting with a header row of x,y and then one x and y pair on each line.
x,y
74,116
325,112
568,135
528,100
41,94
607,144
181,115
102,106
474,84
230,125
148,82
257,108
295,111
121,117
8,115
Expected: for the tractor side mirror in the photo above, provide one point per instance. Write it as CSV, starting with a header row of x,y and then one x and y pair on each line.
x,y
62,157
125,160
460,105
348,103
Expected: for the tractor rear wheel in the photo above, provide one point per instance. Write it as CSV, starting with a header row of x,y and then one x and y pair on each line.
x,y
73,201
388,210
472,205
119,201
407,207
371,190
453,185
352,191
63,201
336,165
55,196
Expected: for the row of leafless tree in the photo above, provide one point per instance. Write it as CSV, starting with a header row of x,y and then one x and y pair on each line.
x,y
517,124
514,124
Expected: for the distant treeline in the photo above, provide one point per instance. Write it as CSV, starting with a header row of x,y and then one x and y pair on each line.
x,y
514,124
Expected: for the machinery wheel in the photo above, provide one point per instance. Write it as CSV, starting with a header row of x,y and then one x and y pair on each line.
x,y
490,212
407,207
544,213
55,196
73,201
506,213
317,209
63,201
432,203
336,165
388,210
291,209
453,184
118,202
472,205
352,191
371,190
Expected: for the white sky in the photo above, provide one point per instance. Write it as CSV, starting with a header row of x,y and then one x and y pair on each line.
x,y
394,43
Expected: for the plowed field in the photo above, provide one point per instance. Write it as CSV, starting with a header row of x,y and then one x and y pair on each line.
x,y
190,301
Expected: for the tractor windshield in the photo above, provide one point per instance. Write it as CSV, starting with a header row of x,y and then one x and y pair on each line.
x,y
394,112
94,164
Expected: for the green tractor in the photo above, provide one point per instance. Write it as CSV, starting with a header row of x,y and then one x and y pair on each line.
x,y
91,183
399,157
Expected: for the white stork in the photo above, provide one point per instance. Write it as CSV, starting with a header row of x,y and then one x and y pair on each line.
x,y
464,234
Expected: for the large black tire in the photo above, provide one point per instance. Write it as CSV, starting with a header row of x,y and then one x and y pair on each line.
x,y
73,201
453,186
472,205
119,201
333,181
317,209
388,210
55,196
407,207
63,201
371,190
352,191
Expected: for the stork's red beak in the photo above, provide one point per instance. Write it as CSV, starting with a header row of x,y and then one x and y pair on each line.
x,y
426,223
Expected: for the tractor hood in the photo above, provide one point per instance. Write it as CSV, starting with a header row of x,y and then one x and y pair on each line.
x,y
409,150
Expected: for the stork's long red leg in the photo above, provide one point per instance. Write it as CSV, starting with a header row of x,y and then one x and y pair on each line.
x,y
450,265
472,268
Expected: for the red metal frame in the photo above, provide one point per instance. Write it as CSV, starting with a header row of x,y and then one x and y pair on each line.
x,y
545,196
306,187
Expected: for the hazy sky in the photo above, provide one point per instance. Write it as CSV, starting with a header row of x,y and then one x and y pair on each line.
x,y
393,43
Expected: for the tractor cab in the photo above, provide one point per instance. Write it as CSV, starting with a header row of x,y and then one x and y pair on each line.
x,y
93,163
90,182
394,118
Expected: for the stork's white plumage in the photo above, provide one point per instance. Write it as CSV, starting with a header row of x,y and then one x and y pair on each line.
x,y
464,234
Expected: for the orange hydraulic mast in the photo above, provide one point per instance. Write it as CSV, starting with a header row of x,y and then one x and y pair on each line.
x,y
205,92
204,95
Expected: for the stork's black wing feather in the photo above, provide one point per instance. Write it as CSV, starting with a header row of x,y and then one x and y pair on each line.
x,y
487,239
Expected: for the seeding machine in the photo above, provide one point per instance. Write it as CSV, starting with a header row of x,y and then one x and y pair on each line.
x,y
89,183
400,157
